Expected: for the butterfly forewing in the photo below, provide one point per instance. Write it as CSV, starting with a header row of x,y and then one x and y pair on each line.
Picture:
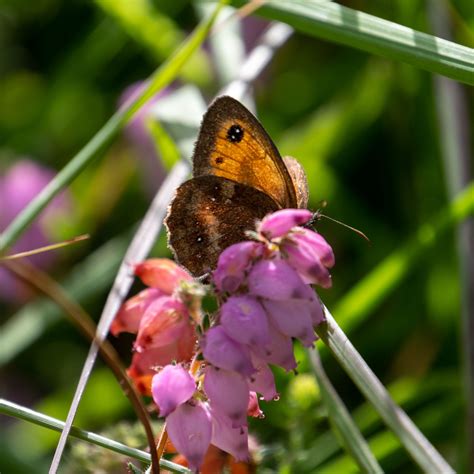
x,y
232,144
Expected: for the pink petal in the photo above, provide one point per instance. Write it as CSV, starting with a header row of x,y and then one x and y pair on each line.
x,y
275,279
223,352
244,319
309,254
231,440
190,430
307,263
228,393
171,387
279,351
144,364
292,318
164,322
233,263
263,381
280,222
253,408
316,310
161,273
130,314
319,245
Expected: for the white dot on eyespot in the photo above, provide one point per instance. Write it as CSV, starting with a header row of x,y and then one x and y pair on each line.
x,y
199,240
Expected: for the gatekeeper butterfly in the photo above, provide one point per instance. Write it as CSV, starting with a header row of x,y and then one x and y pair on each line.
x,y
238,177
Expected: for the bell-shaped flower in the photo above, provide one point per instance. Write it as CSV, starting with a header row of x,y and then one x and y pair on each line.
x,y
253,408
231,440
189,427
171,387
164,322
131,312
292,318
145,364
233,263
228,392
245,320
310,254
281,222
275,279
279,351
161,273
263,381
223,352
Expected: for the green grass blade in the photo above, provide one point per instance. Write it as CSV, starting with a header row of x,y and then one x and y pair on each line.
x,y
17,411
371,291
333,22
343,423
101,140
420,449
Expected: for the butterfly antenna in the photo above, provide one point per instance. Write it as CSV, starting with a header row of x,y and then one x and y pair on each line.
x,y
357,231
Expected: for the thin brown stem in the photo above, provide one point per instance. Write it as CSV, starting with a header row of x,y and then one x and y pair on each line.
x,y
45,284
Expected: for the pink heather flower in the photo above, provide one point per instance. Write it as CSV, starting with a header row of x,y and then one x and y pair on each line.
x,y
253,408
231,440
245,321
161,273
171,387
279,351
310,255
292,318
164,322
144,364
228,393
275,279
233,263
223,352
19,185
263,381
130,314
281,222
189,427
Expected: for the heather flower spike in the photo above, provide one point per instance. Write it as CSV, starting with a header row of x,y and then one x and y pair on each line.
x,y
265,302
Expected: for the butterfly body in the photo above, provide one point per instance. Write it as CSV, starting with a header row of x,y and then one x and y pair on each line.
x,y
238,178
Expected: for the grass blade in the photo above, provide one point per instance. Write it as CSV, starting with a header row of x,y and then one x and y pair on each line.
x,y
371,291
333,22
421,450
147,232
23,413
163,76
340,417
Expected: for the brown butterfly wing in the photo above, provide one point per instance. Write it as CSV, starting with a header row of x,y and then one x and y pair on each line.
x,y
232,144
208,214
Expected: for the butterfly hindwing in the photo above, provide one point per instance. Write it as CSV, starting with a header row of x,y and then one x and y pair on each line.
x,y
210,213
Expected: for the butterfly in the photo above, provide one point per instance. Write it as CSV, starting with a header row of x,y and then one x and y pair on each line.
x,y
238,178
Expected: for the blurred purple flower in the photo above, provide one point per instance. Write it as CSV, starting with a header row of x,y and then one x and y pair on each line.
x,y
18,186
138,134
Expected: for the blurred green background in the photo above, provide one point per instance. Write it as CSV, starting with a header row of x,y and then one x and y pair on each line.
x,y
365,129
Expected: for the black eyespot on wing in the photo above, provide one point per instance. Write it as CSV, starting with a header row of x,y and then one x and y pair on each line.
x,y
219,160
235,133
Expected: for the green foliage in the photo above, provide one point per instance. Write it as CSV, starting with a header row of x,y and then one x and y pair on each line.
x,y
352,97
